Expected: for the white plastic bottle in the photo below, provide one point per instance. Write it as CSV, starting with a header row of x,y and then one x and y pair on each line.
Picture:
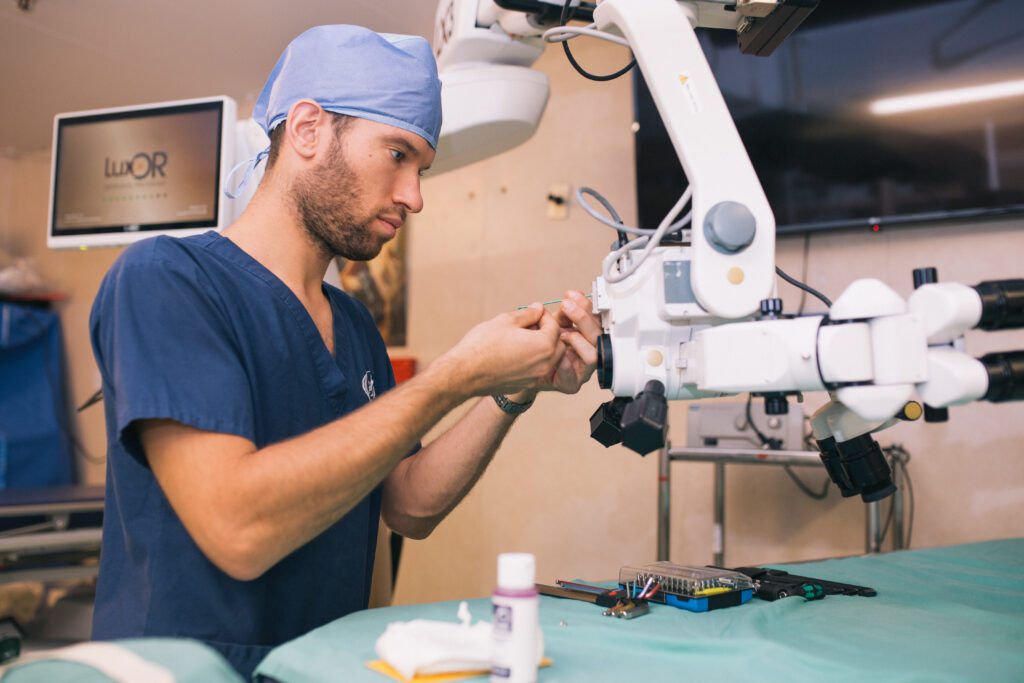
x,y
515,620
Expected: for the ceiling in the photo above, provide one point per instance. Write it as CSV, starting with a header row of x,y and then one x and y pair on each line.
x,y
71,55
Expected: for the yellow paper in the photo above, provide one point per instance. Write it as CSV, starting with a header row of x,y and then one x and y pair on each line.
x,y
383,667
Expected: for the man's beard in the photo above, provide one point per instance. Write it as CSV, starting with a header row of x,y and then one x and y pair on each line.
x,y
327,198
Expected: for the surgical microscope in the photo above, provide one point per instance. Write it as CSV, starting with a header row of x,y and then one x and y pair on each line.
x,y
689,308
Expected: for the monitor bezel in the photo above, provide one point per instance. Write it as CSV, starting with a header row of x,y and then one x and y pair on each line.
x,y
118,235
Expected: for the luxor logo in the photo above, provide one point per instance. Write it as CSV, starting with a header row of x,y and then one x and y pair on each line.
x,y
141,166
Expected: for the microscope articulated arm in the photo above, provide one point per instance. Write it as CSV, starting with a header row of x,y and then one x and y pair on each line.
x,y
689,309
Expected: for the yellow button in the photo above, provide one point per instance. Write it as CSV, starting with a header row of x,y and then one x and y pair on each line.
x,y
912,410
735,275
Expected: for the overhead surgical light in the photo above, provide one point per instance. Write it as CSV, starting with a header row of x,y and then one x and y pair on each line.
x,y
947,98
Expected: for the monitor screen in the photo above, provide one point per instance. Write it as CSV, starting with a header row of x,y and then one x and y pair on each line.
x,y
871,113
124,174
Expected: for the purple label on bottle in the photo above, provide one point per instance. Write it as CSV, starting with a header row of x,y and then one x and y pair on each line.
x,y
502,615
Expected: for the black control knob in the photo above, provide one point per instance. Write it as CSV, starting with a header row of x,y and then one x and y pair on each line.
x,y
645,420
833,461
867,468
776,404
925,276
935,414
857,466
606,422
771,308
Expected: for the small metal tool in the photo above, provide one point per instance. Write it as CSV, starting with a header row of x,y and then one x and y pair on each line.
x,y
554,301
606,598
628,609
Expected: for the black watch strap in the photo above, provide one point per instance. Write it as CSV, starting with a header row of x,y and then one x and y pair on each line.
x,y
511,407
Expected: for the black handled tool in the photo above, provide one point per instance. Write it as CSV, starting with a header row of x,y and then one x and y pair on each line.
x,y
773,584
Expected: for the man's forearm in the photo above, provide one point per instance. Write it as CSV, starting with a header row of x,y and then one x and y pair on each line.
x,y
423,489
280,497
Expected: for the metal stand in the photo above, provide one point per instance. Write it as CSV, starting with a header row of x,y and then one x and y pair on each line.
x,y
748,456
873,522
897,510
664,502
718,540
49,550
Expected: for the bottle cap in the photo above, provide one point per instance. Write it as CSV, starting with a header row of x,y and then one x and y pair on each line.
x,y
516,571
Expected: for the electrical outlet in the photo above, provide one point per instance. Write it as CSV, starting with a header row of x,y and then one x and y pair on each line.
x,y
558,202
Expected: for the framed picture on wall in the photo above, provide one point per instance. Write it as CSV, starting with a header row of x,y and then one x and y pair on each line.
x,y
381,285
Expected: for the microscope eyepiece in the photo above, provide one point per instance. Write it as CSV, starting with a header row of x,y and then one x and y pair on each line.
x,y
857,466
1005,376
1002,305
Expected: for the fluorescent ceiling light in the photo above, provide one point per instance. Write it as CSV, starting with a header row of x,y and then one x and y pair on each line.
x,y
947,98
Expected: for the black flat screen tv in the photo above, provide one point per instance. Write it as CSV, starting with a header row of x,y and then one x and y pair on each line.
x,y
871,113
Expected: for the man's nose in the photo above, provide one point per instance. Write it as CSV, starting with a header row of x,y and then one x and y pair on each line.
x,y
407,194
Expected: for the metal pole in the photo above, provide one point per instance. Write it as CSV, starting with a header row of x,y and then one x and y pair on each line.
x,y
718,542
664,502
897,509
747,456
873,526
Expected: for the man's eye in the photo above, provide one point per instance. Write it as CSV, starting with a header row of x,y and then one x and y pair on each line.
x,y
397,155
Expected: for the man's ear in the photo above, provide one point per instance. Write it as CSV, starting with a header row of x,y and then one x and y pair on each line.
x,y
303,127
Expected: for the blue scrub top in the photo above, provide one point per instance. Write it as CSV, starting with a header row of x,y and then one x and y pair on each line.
x,y
196,331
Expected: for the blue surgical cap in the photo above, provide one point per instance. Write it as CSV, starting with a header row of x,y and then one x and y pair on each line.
x,y
352,70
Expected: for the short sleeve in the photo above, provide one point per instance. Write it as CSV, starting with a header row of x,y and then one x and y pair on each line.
x,y
166,348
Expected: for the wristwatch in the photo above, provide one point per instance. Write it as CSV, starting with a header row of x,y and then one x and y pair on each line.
x,y
511,407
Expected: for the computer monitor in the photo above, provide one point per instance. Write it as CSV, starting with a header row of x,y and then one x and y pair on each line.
x,y
123,174
874,113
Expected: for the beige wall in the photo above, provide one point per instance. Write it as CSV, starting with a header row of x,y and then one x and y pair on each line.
x,y
7,168
484,245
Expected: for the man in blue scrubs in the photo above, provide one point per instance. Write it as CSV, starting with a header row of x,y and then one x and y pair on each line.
x,y
255,437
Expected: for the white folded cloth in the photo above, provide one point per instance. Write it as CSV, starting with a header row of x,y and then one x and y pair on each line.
x,y
425,647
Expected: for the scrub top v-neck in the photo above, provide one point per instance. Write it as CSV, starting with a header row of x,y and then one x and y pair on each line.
x,y
196,331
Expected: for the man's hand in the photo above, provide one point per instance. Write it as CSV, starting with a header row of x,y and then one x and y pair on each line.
x,y
511,353
580,329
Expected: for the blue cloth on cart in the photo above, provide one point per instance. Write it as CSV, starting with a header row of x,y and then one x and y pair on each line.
x,y
35,445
